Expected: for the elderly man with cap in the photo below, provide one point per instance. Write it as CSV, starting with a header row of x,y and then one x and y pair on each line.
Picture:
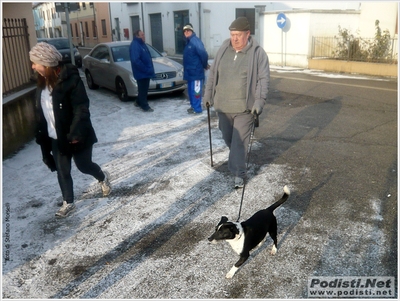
x,y
64,130
195,61
237,87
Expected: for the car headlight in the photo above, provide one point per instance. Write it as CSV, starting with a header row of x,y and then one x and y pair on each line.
x,y
77,54
180,72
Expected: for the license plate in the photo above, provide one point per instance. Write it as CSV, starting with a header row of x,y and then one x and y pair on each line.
x,y
166,85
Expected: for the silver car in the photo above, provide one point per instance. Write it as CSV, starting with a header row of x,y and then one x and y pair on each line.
x,y
108,65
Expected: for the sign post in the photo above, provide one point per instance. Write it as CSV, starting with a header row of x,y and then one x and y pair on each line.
x,y
281,22
69,33
67,7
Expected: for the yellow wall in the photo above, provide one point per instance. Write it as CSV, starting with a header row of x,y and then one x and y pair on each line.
x,y
99,12
354,67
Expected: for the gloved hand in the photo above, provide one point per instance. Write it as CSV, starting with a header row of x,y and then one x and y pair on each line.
x,y
257,109
49,161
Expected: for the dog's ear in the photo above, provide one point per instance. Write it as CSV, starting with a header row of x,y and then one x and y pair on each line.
x,y
224,219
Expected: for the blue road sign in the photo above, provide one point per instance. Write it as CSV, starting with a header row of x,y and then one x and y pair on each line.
x,y
281,20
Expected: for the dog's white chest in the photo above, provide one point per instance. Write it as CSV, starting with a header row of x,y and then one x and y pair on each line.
x,y
238,242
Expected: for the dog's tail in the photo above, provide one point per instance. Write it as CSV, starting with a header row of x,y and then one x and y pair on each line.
x,y
283,199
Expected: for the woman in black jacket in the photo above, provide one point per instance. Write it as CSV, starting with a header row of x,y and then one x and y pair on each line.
x,y
64,130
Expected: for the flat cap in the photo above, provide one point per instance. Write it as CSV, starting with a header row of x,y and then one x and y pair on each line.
x,y
240,24
188,27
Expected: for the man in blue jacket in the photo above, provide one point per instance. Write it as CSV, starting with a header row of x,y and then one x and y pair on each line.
x,y
195,61
142,68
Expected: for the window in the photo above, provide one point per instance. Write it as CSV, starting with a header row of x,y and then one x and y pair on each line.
x,y
101,53
103,27
91,4
94,29
250,14
121,53
84,5
87,29
72,32
76,29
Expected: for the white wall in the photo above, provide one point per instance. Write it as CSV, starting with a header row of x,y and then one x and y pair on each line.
x,y
212,28
385,12
304,24
167,14
321,18
124,11
297,39
218,16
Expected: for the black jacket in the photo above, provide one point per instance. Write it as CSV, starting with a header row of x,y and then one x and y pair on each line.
x,y
71,113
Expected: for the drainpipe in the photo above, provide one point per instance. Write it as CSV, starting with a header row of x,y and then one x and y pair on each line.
x,y
111,23
200,20
141,4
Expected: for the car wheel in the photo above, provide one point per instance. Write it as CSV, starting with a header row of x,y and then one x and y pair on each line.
x,y
121,90
90,82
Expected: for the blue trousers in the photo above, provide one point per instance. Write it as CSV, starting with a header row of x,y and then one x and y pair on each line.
x,y
195,92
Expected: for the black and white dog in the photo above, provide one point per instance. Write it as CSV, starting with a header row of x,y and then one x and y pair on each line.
x,y
245,236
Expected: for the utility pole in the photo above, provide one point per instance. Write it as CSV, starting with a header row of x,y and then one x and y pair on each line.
x,y
71,48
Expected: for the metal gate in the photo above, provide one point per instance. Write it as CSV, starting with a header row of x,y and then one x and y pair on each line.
x,y
17,70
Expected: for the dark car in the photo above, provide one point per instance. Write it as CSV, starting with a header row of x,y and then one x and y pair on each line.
x,y
62,45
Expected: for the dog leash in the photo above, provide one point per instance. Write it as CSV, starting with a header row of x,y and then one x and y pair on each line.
x,y
255,124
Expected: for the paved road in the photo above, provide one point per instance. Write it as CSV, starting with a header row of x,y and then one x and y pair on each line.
x,y
342,134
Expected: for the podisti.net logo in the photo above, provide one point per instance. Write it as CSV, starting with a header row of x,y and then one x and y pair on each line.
x,y
351,287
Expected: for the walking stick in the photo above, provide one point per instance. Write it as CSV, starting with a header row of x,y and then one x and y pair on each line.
x,y
209,131
255,124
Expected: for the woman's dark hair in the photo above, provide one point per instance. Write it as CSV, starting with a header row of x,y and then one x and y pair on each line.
x,y
51,77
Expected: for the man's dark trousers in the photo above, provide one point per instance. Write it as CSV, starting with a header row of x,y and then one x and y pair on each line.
x,y
143,88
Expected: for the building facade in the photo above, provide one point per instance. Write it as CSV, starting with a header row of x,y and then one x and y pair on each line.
x,y
89,22
162,23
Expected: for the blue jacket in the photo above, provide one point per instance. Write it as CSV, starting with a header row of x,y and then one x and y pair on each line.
x,y
141,62
195,59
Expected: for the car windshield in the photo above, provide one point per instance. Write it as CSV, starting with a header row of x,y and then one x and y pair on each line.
x,y
59,44
120,53
153,52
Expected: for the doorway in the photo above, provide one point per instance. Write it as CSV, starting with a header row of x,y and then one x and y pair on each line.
x,y
180,19
135,25
116,31
156,32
